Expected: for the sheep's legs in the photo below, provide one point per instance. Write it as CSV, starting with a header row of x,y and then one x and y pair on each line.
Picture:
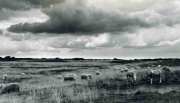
x,y
160,80
151,81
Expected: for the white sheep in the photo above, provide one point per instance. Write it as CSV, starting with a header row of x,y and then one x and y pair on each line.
x,y
131,78
4,78
155,76
70,77
23,73
9,88
98,73
59,76
86,76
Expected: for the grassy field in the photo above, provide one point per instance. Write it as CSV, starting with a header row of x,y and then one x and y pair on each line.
x,y
42,82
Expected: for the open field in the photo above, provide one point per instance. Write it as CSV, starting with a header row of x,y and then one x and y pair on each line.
x,y
44,82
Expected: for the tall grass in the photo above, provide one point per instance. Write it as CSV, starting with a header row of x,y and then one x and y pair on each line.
x,y
105,90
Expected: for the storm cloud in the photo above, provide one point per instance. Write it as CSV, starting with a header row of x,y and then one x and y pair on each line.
x,y
77,17
12,8
25,4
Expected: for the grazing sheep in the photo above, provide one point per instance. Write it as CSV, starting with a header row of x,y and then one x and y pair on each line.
x,y
167,69
59,76
125,69
86,76
120,69
167,75
23,73
131,78
131,75
4,78
175,77
98,73
70,77
160,76
155,77
159,66
10,88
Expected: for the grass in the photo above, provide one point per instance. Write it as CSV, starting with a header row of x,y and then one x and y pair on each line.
x,y
88,93
109,87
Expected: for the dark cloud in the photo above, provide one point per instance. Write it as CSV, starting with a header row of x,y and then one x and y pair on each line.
x,y
78,18
6,13
13,4
12,8
44,3
25,4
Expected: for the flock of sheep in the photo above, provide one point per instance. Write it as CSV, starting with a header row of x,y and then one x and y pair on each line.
x,y
83,76
133,77
162,75
152,76
6,87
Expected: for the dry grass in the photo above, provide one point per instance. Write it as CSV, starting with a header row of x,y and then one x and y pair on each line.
x,y
108,87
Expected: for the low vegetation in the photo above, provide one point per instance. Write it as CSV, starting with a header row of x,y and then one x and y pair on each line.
x,y
92,85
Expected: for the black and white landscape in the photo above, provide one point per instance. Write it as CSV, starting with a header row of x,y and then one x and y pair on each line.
x,y
78,80
89,51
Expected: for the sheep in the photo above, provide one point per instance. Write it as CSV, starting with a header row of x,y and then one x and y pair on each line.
x,y
163,75
10,88
117,68
167,69
155,77
141,77
151,76
70,77
98,73
59,77
121,69
167,74
159,66
23,74
175,76
86,76
131,78
4,78
125,69
131,75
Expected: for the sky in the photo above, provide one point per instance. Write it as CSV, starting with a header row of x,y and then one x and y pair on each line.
x,y
90,28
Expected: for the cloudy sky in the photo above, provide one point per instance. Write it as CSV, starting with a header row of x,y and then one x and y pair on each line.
x,y
90,28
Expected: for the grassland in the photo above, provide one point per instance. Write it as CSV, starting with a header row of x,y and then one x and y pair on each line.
x,y
42,82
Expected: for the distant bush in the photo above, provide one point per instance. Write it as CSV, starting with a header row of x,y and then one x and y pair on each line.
x,y
78,59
